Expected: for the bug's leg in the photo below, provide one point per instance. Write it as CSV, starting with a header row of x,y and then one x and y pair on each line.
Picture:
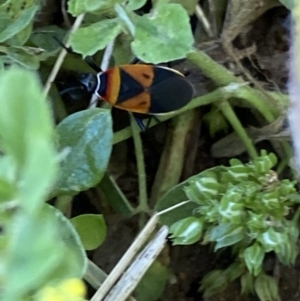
x,y
68,49
140,122
92,64
88,59
134,61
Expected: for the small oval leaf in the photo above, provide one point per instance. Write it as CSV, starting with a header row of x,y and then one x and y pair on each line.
x,y
91,228
187,231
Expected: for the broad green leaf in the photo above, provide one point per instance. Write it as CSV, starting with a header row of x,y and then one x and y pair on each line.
x,y
88,40
235,270
288,3
9,29
77,7
135,4
187,231
254,257
153,283
203,188
51,249
21,37
164,35
264,162
247,283
44,38
87,137
76,264
188,5
24,56
270,239
231,206
27,134
231,238
266,288
177,195
288,251
91,229
213,283
8,174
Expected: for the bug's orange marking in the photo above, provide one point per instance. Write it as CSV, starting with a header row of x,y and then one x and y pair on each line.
x,y
113,85
138,104
144,74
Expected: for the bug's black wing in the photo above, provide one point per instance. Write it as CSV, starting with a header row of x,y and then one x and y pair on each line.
x,y
170,91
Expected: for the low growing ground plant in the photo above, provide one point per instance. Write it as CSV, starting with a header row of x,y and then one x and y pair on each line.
x,y
247,208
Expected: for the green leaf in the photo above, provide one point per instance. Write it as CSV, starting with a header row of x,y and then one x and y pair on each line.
x,y
91,228
24,56
44,38
213,283
26,131
77,7
21,37
216,121
254,257
87,136
290,4
164,35
204,187
135,4
76,264
153,283
288,251
247,283
188,5
51,249
231,238
234,271
177,195
265,162
187,231
231,206
11,27
266,288
86,40
270,239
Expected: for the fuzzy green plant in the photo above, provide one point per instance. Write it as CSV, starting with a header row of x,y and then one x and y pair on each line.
x,y
247,208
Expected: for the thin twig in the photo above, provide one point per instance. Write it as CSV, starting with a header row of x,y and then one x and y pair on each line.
x,y
202,18
126,259
139,267
61,56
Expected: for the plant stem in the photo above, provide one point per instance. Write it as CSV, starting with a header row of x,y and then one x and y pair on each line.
x,y
222,77
172,158
238,127
139,154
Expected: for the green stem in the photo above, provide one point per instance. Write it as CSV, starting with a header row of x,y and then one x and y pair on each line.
x,y
143,200
172,158
222,77
238,127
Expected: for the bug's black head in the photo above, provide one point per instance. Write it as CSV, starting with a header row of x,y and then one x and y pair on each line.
x,y
77,86
89,81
